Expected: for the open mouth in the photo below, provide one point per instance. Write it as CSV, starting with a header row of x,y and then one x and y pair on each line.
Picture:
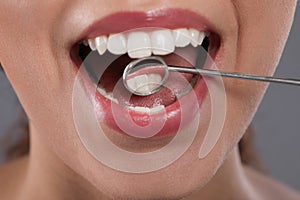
x,y
179,45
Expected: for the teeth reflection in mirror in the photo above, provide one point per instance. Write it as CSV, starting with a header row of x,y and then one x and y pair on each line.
x,y
131,84
154,79
141,82
144,83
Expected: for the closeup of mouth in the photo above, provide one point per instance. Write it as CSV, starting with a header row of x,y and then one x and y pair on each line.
x,y
180,37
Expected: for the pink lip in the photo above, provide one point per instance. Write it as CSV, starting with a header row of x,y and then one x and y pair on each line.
x,y
164,18
176,115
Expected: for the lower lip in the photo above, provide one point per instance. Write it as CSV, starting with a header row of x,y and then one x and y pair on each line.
x,y
124,121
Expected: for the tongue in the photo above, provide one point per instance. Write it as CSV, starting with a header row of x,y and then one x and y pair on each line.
x,y
176,84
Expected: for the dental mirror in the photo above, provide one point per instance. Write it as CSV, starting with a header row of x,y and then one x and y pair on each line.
x,y
148,75
145,76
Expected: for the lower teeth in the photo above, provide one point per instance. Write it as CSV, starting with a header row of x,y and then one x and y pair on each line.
x,y
107,95
138,109
146,110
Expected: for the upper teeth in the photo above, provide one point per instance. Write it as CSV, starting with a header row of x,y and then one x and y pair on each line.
x,y
139,44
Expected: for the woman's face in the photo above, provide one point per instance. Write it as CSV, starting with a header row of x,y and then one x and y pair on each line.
x,y
38,41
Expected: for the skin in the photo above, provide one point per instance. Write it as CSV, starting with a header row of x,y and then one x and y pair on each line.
x,y
35,39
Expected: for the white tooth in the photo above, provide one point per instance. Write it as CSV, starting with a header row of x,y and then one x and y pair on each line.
x,y
141,83
201,38
114,100
92,44
162,42
110,97
181,37
117,44
85,42
131,84
157,109
194,37
139,45
141,109
101,44
154,79
102,91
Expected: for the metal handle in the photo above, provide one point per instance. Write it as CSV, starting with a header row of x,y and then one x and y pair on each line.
x,y
235,75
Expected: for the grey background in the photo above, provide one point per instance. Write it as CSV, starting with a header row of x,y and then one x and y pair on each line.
x,y
9,115
277,121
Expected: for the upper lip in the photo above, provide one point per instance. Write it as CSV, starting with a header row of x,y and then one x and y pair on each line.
x,y
170,18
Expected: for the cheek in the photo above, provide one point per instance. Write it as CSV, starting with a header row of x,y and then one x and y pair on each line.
x,y
27,57
264,27
263,30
